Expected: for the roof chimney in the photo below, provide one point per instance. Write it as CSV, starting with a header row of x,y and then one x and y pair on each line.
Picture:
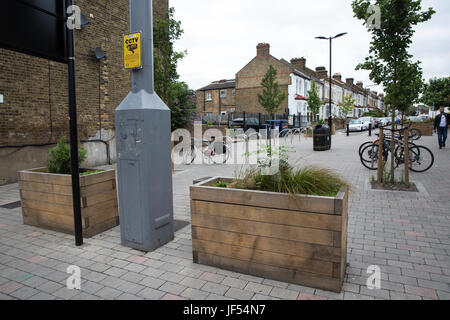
x,y
360,84
299,63
349,81
321,72
263,50
338,77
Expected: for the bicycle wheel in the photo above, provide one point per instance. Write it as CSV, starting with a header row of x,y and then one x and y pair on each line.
x,y
420,158
219,152
189,155
365,144
415,134
369,157
399,152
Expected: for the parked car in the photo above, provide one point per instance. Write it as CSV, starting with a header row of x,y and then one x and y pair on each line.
x,y
388,120
366,121
356,125
250,123
415,119
377,122
382,122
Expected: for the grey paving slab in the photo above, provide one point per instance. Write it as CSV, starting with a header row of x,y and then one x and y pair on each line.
x,y
405,234
194,294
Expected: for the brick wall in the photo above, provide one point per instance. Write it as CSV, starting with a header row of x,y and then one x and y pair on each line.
x,y
247,100
213,106
35,108
248,82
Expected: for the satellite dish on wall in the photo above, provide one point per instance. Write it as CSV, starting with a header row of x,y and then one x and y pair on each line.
x,y
99,54
84,21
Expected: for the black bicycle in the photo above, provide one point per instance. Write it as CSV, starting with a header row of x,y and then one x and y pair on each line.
x,y
420,158
414,135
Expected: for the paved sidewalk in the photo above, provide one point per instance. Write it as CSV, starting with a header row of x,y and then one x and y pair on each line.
x,y
405,234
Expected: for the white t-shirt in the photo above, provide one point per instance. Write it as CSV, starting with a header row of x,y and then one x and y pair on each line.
x,y
443,121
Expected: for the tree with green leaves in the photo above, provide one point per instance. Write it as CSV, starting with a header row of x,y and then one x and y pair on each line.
x,y
271,96
436,93
183,105
314,101
389,61
347,106
176,94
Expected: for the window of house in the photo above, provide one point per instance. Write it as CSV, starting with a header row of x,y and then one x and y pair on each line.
x,y
208,96
234,92
223,93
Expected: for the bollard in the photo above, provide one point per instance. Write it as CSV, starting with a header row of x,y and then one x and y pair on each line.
x,y
348,129
370,129
406,156
380,156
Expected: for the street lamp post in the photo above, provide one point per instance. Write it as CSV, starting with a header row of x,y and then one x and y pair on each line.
x,y
330,119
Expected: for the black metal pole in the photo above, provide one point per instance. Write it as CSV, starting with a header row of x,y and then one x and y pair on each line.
x,y
330,120
74,136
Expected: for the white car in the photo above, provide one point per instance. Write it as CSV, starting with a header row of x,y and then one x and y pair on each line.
x,y
366,121
356,125
382,122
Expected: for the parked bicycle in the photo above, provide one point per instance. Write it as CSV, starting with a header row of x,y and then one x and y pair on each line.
x,y
215,151
414,135
420,158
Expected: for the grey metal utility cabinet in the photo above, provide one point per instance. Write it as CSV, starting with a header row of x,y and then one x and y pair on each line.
x,y
143,135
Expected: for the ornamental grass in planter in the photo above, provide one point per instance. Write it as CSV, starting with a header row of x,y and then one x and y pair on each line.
x,y
46,195
291,226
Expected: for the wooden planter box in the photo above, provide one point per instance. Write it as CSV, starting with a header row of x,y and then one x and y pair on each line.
x,y
425,128
297,239
47,201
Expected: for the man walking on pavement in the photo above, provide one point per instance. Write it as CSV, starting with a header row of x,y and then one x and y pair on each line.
x,y
441,123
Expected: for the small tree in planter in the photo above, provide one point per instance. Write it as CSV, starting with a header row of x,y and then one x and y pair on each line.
x,y
59,161
314,102
46,195
271,96
389,60
347,106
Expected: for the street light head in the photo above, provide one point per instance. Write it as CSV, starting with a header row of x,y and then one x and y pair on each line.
x,y
322,38
340,35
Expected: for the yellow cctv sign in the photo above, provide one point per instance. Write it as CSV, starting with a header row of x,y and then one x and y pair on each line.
x,y
132,50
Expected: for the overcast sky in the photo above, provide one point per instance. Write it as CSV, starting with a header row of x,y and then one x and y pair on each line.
x,y
221,36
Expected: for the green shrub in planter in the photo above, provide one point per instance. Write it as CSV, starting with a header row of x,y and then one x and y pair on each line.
x,y
59,161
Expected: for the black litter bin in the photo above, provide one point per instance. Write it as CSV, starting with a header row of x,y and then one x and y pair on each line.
x,y
321,137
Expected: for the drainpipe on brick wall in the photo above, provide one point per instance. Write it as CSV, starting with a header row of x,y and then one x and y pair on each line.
x,y
220,103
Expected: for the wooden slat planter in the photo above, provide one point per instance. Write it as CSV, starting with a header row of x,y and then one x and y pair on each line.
x,y
47,201
301,239
425,128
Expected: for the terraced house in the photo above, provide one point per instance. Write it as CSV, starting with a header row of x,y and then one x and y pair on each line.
x,y
295,80
219,97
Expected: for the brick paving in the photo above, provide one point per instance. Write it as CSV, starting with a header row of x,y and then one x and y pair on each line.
x,y
405,234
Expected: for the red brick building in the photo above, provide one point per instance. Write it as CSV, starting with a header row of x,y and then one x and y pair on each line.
x,y
34,109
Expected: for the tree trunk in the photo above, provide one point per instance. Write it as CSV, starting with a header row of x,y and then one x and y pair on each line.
x,y
393,108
